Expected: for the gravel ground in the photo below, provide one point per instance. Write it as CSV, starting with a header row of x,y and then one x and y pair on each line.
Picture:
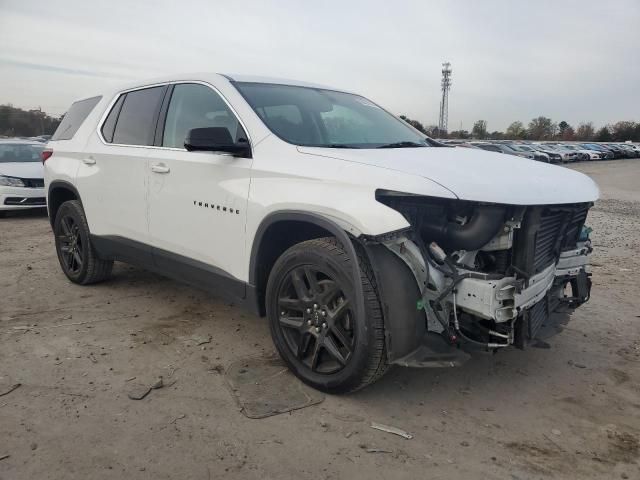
x,y
570,411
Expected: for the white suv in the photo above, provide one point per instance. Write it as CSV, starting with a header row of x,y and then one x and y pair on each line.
x,y
364,242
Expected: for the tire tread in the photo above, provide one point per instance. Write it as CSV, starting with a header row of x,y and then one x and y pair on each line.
x,y
98,269
377,362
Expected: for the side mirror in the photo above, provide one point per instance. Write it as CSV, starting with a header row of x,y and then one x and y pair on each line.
x,y
216,139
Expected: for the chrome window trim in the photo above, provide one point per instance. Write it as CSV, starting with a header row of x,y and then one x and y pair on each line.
x,y
164,84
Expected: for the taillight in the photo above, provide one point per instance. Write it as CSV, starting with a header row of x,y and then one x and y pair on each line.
x,y
46,153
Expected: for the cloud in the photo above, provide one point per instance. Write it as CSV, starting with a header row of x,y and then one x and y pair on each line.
x,y
53,68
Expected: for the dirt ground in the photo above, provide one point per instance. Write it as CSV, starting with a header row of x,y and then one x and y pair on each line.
x,y
570,411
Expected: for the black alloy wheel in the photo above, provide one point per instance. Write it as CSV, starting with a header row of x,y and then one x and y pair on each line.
x,y
71,246
328,329
316,318
78,259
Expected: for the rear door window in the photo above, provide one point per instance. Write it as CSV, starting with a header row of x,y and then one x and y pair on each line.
x,y
136,122
72,120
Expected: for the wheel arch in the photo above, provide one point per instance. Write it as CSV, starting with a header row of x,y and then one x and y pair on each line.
x,y
281,230
59,192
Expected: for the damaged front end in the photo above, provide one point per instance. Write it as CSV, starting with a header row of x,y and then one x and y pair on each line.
x,y
476,276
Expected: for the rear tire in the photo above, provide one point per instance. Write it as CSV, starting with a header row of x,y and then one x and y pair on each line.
x,y
78,259
311,306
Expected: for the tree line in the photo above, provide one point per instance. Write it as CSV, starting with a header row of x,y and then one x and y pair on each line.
x,y
540,128
16,122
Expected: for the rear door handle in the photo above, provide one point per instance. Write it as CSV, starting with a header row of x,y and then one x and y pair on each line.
x,y
160,168
89,161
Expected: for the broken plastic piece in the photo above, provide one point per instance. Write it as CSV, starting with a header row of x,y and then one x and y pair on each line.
x,y
394,430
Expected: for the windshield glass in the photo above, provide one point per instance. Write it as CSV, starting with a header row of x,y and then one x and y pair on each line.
x,y
325,118
20,152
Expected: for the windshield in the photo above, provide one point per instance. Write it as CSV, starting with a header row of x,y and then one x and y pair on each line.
x,y
316,117
20,152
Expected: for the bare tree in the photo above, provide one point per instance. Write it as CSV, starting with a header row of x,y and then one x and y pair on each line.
x,y
541,128
585,131
414,123
516,131
479,129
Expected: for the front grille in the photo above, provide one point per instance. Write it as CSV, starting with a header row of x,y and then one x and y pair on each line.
x,y
551,223
574,228
546,231
41,201
33,182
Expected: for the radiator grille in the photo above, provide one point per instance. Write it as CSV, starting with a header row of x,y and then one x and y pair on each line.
x,y
546,232
545,249
40,201
33,182
575,227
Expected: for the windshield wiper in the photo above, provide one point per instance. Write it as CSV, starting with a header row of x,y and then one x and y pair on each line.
x,y
402,145
338,145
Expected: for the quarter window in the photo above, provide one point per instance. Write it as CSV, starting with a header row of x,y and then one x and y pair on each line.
x,y
136,122
72,120
109,125
197,106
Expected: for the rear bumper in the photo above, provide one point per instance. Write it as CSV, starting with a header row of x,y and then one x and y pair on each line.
x,y
19,198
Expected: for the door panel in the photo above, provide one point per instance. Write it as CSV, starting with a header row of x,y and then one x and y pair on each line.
x,y
113,178
112,182
197,200
198,208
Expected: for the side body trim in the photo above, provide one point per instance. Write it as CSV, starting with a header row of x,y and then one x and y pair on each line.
x,y
177,267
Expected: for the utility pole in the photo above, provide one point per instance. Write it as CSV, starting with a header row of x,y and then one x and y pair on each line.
x,y
444,103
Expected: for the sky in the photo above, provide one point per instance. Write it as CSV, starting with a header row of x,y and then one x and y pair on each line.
x,y
572,60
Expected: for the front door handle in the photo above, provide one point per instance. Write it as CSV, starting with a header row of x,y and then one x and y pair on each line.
x,y
89,161
160,168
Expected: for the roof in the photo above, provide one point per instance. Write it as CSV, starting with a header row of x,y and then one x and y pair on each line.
x,y
277,81
21,141
209,76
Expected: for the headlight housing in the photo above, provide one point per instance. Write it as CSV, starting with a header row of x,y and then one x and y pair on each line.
x,y
10,181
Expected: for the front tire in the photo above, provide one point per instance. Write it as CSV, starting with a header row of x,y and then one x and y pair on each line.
x,y
77,257
311,305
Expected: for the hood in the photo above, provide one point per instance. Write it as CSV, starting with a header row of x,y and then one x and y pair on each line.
x,y
477,175
22,169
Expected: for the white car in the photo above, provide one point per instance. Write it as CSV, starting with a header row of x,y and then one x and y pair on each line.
x,y
587,154
364,242
21,175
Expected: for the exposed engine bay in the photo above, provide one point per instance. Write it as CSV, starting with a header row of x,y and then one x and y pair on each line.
x,y
490,276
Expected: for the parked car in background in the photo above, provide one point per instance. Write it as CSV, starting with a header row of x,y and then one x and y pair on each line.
x,y
537,155
554,156
629,150
463,145
582,154
21,175
566,155
605,152
504,148
40,138
618,151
